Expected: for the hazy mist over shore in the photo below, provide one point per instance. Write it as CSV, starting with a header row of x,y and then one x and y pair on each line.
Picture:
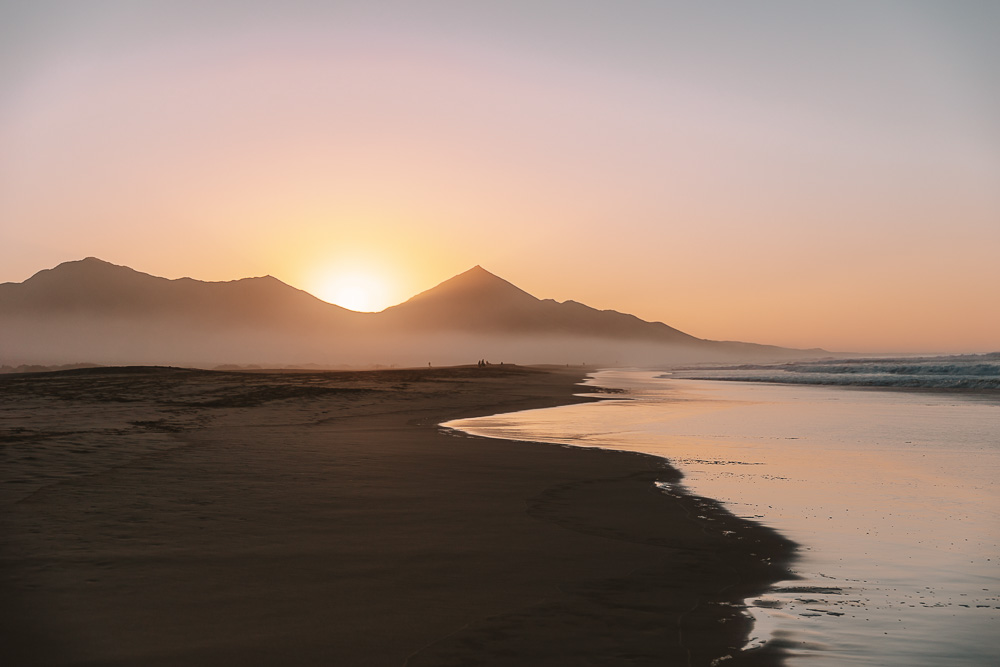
x,y
93,311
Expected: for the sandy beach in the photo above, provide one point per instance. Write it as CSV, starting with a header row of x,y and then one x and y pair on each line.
x,y
157,516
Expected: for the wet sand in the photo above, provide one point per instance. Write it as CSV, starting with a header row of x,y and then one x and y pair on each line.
x,y
166,516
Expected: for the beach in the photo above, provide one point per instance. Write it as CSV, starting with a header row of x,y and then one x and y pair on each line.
x,y
162,516
888,486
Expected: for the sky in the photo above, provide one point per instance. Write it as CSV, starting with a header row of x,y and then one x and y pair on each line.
x,y
819,174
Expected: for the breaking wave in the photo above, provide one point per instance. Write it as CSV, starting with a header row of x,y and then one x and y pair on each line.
x,y
956,372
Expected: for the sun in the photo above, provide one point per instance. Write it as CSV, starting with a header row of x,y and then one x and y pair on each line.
x,y
358,291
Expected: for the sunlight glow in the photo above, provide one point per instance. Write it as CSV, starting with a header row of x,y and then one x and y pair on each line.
x,y
355,291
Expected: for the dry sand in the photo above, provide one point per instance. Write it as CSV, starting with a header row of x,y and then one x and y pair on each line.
x,y
175,517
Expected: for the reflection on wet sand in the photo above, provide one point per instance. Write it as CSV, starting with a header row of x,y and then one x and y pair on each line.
x,y
891,495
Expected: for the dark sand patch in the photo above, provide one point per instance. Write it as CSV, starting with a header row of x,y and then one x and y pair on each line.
x,y
166,516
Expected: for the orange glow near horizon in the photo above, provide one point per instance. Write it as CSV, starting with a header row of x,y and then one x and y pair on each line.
x,y
355,290
738,177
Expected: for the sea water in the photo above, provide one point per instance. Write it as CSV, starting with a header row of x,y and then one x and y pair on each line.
x,y
891,495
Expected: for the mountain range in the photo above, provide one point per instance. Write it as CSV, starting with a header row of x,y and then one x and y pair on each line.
x,y
94,311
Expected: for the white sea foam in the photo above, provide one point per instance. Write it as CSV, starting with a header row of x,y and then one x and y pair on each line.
x,y
958,372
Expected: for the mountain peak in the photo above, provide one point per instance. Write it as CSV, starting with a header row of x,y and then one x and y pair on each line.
x,y
475,287
476,271
82,272
90,263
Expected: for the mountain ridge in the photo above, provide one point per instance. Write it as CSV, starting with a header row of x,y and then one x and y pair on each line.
x,y
478,300
90,309
97,286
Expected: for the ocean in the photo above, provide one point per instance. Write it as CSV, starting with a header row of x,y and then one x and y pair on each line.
x,y
891,493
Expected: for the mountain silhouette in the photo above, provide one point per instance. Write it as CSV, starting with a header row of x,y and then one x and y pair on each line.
x,y
95,288
479,301
94,311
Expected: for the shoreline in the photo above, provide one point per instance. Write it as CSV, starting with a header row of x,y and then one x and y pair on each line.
x,y
324,518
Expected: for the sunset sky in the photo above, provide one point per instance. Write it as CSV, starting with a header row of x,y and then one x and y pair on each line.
x,y
796,173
